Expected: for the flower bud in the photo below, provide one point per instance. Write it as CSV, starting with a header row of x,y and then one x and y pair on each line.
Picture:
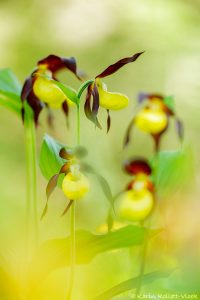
x,y
75,186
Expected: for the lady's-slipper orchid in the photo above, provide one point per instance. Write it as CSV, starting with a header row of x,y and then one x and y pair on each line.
x,y
153,117
102,97
75,184
39,90
137,201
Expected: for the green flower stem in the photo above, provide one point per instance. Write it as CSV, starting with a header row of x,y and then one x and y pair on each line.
x,y
83,87
143,259
31,201
73,226
72,252
78,124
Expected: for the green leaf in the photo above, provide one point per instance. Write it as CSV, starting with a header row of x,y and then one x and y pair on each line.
x,y
172,169
11,102
50,162
132,284
9,82
55,253
10,90
169,102
69,92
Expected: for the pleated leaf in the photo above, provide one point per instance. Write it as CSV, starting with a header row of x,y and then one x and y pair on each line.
x,y
10,91
55,253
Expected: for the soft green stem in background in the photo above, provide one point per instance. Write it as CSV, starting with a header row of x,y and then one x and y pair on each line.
x,y
31,201
73,226
72,252
143,260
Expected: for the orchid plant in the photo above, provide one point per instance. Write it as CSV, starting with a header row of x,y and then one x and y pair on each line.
x,y
66,167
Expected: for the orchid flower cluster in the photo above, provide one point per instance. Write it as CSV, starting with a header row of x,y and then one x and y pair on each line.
x,y
66,167
152,117
42,88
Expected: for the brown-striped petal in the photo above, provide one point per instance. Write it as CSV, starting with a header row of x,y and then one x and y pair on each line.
x,y
27,88
52,185
50,117
119,64
55,63
87,108
28,94
95,105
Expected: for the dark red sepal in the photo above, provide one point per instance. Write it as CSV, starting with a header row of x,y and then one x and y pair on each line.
x,y
90,114
33,101
27,88
135,166
153,96
67,208
55,63
108,120
50,117
52,185
128,133
95,104
36,106
119,64
65,109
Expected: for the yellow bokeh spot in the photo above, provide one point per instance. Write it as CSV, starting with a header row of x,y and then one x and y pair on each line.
x,y
151,120
135,205
108,100
75,187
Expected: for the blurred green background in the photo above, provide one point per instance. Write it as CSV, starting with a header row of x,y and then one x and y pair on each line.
x,y
98,33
